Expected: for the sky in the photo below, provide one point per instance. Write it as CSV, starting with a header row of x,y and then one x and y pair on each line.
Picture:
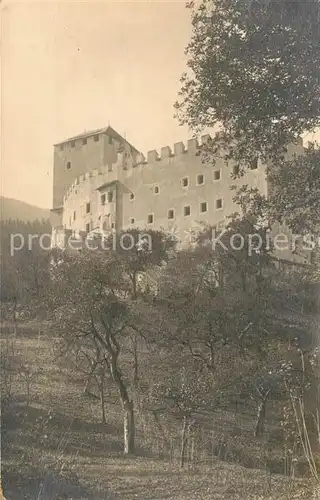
x,y
71,66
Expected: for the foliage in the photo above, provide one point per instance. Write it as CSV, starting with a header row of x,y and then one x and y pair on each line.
x,y
295,193
25,271
234,317
252,70
136,251
251,73
88,302
93,301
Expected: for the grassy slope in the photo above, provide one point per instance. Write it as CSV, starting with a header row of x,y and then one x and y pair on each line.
x,y
58,439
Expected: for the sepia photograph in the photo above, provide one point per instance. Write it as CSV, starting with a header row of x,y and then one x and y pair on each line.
x,y
160,250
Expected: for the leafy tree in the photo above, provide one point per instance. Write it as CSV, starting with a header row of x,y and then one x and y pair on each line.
x,y
139,251
25,257
90,305
252,73
252,69
295,194
95,302
179,393
236,316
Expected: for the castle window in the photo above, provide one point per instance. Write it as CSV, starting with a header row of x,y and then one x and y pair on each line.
x,y
96,138
254,164
203,206
72,144
217,175
150,218
186,210
70,221
103,199
88,227
131,196
110,140
132,221
105,225
84,141
200,179
184,182
171,214
68,165
219,203
74,215
156,190
88,208
113,225
61,147
236,169
110,196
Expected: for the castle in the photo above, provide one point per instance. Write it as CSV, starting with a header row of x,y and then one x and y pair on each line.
x,y
103,183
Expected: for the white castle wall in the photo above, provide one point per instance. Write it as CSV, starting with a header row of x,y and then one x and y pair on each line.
x,y
141,177
83,191
164,173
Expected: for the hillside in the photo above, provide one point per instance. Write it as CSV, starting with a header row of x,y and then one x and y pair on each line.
x,y
52,435
16,209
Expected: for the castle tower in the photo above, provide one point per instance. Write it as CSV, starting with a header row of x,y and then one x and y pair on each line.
x,y
81,154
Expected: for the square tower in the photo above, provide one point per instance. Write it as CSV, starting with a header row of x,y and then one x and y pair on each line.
x,y
84,153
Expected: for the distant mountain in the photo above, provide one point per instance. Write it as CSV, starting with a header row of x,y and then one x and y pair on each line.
x,y
16,209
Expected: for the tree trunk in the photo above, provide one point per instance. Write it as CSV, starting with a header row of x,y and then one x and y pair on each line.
x,y
36,281
134,285
103,409
28,389
183,442
135,361
244,281
261,418
87,384
15,306
110,343
129,428
156,419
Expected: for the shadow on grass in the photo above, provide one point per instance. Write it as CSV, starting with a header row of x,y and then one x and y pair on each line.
x,y
48,486
18,414
32,428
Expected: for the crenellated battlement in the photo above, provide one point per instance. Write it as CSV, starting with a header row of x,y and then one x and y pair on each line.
x,y
179,148
110,172
92,178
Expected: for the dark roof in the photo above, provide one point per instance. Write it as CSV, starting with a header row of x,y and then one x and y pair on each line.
x,y
105,130
105,184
